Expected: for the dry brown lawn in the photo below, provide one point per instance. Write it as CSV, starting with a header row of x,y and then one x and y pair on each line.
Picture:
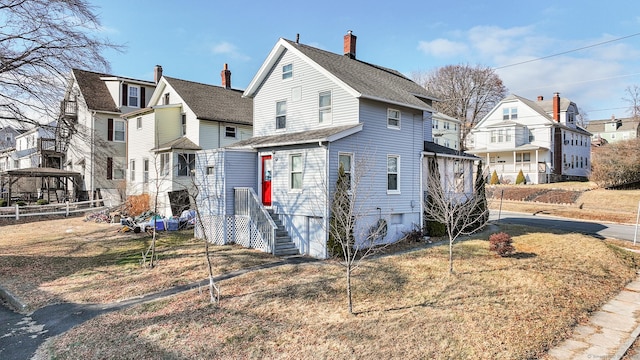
x,y
559,199
407,306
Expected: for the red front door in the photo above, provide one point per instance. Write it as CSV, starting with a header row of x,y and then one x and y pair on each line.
x,y
266,180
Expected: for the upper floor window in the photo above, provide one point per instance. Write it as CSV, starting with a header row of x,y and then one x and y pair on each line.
x,y
287,71
571,117
230,132
435,124
509,113
281,114
445,125
186,163
134,96
393,118
295,172
165,100
324,107
183,123
393,174
118,130
139,123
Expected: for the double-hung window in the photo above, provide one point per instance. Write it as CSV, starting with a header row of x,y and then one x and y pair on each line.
x,y
346,162
186,163
324,106
134,96
183,123
393,174
510,113
119,130
145,170
287,71
295,172
165,164
139,123
393,119
281,115
132,170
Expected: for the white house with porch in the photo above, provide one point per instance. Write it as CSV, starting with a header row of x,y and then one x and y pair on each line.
x,y
541,138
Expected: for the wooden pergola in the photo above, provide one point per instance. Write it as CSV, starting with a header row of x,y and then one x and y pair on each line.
x,y
51,180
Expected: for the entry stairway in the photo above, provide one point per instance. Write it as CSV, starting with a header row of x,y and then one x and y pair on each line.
x,y
284,246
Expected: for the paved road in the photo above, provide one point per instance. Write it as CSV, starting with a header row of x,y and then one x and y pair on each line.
x,y
617,231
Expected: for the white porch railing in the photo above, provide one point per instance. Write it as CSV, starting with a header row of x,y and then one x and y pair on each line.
x,y
246,203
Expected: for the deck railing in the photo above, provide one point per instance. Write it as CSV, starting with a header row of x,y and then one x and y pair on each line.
x,y
246,203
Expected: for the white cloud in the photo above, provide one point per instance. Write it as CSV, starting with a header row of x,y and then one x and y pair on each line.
x,y
442,48
229,49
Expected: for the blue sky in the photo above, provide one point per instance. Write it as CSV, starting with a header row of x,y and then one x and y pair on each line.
x,y
193,39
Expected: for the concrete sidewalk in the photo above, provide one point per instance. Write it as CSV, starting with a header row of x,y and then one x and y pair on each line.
x,y
609,332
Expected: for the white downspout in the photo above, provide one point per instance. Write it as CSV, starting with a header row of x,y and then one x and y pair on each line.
x,y
93,164
327,200
421,189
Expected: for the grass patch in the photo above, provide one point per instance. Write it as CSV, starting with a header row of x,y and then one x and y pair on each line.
x,y
406,305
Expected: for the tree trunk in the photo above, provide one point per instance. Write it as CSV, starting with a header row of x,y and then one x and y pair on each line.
x,y
450,257
349,300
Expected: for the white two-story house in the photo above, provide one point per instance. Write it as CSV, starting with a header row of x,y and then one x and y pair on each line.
x,y
92,133
541,138
446,130
315,111
182,118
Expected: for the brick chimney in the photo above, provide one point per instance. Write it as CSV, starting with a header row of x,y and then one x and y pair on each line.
x,y
350,45
540,97
157,73
226,77
556,107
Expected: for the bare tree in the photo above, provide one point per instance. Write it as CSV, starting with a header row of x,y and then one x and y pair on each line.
x,y
349,240
466,93
461,213
40,42
632,98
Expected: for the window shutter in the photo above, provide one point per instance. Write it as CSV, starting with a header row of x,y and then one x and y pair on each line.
x,y
110,129
125,94
142,99
109,168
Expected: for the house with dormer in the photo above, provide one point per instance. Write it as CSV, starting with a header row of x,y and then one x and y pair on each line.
x,y
540,137
93,134
315,111
182,117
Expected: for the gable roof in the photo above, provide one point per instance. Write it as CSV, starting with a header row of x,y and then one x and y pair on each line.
x,y
181,143
627,124
361,79
94,90
302,137
214,103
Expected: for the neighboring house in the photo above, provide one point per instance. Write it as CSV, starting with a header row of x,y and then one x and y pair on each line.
x,y
541,138
315,111
38,148
446,130
182,118
92,133
8,136
612,130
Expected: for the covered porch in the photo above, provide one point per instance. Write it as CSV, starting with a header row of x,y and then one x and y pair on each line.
x,y
508,162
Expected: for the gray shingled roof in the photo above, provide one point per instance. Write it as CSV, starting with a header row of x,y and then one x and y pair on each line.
x,y
181,143
370,80
627,124
94,90
302,137
432,147
215,103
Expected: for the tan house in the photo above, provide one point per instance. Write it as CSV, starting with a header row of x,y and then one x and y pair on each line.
x,y
182,118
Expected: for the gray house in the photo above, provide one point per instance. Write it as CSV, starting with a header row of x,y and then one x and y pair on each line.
x,y
314,111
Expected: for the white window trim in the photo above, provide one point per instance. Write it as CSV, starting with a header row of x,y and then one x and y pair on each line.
x,y
394,127
328,109
165,164
278,115
124,130
287,72
130,87
291,188
139,123
396,191
350,170
145,172
132,170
